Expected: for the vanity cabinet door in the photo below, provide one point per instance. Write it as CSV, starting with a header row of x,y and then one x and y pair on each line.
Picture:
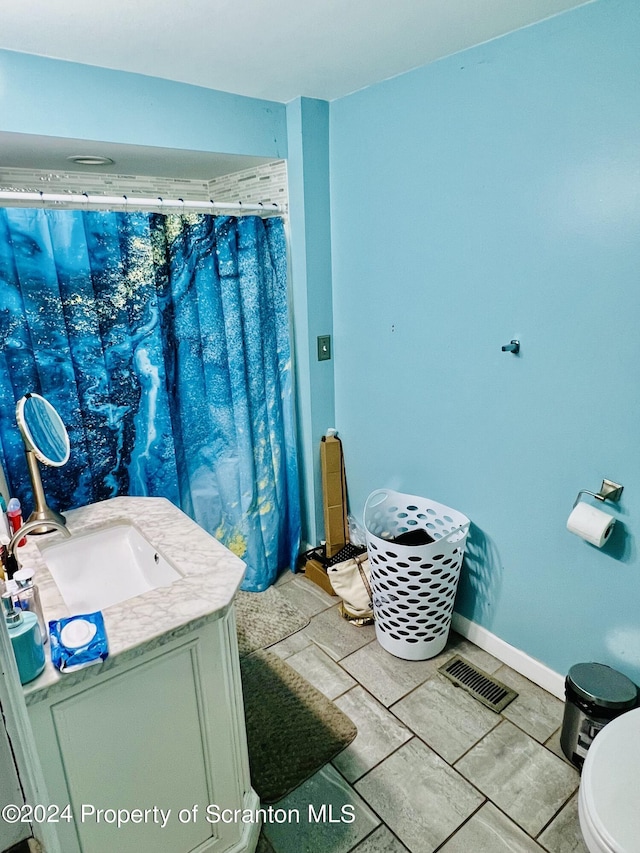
x,y
160,740
10,791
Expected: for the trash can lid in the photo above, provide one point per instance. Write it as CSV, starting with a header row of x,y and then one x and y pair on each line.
x,y
596,682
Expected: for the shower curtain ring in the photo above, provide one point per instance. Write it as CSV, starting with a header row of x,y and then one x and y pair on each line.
x,y
126,204
161,202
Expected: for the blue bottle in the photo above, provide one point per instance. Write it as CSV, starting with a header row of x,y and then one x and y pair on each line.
x,y
26,639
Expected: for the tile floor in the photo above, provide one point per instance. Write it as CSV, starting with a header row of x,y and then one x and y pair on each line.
x,y
431,768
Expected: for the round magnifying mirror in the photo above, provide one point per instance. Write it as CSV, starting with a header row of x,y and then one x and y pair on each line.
x,y
43,430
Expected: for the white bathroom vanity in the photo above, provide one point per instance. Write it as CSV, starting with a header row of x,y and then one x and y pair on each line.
x,y
142,751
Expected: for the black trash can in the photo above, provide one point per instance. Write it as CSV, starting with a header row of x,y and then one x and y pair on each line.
x,y
596,694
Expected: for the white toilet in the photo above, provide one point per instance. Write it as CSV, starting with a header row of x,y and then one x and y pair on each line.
x,y
609,798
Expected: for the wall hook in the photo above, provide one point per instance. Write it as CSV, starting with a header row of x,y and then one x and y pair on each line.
x,y
513,347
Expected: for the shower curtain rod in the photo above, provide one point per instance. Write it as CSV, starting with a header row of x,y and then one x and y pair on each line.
x,y
123,202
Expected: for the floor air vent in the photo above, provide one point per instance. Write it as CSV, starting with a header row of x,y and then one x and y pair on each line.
x,y
486,689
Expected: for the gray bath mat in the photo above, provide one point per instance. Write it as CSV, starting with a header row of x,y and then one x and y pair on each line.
x,y
292,729
263,618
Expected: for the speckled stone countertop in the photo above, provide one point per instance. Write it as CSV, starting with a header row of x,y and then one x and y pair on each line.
x,y
211,576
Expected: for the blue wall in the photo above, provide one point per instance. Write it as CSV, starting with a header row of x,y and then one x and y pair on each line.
x,y
308,174
495,195
66,99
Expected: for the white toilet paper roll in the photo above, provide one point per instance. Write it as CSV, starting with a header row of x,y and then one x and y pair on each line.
x,y
590,523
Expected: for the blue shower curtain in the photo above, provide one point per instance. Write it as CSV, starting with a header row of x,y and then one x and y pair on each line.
x,y
163,341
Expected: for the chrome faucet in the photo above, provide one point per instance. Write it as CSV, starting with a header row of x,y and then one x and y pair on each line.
x,y
29,526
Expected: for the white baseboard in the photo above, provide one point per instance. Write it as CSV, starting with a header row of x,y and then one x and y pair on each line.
x,y
531,668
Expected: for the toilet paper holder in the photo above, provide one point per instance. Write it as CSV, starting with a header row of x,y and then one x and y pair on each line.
x,y
609,491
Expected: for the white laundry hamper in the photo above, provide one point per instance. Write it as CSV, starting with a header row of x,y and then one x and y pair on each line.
x,y
413,586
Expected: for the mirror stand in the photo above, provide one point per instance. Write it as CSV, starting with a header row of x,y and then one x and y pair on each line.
x,y
42,512
46,441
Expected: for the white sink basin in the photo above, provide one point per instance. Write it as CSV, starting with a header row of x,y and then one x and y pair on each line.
x,y
106,567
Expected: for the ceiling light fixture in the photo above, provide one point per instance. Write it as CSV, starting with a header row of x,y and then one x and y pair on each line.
x,y
90,160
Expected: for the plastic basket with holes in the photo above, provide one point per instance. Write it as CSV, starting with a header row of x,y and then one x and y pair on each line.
x,y
415,549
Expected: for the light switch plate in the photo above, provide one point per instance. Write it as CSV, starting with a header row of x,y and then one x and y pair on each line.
x,y
324,347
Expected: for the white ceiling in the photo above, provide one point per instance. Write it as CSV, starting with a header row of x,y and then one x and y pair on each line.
x,y
273,49
27,151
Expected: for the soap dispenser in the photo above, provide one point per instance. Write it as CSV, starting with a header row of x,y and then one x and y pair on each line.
x,y
27,597
26,639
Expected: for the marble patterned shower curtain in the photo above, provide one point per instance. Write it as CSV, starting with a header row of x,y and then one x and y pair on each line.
x,y
163,341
